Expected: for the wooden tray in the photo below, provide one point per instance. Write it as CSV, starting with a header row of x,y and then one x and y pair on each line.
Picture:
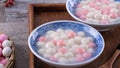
x,y
41,13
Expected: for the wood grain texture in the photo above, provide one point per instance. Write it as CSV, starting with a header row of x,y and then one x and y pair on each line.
x,y
50,12
30,28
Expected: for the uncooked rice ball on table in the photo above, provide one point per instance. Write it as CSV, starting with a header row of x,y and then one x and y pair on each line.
x,y
5,49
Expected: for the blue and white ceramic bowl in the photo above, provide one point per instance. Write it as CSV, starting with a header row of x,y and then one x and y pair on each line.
x,y
66,24
71,6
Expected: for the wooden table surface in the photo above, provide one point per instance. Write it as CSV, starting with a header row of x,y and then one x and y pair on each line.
x,y
16,26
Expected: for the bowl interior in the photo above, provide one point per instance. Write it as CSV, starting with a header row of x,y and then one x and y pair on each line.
x,y
71,6
72,25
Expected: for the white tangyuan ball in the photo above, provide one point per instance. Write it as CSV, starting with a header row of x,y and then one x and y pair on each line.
x,y
85,46
53,35
90,50
63,36
105,17
40,44
6,43
56,37
89,0
98,3
85,40
90,20
91,15
78,9
92,10
73,48
62,60
47,36
42,51
77,40
49,45
97,11
81,33
113,5
58,55
114,10
84,2
47,55
85,7
104,5
50,32
6,51
66,31
51,50
69,55
70,43
60,30
90,39
98,16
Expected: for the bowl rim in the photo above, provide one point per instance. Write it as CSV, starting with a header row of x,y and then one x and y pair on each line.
x,y
78,19
64,64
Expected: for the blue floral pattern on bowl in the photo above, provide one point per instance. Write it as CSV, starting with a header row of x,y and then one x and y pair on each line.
x,y
65,24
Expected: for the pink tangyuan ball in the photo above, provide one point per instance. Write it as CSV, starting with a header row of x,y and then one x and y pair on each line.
x,y
53,58
92,44
71,34
60,43
42,38
62,50
3,37
79,58
80,50
86,55
4,61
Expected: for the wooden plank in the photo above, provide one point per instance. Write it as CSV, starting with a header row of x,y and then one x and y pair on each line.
x,y
31,20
